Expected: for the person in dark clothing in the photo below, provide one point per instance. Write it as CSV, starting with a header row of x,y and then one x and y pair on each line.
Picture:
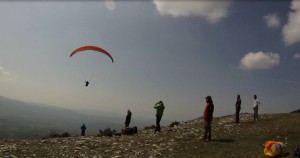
x,y
83,128
208,117
87,83
238,109
128,118
159,106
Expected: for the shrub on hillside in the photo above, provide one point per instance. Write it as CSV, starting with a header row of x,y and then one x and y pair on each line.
x,y
107,132
54,134
65,134
150,127
174,124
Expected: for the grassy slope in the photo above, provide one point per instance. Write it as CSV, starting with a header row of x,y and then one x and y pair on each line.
x,y
247,138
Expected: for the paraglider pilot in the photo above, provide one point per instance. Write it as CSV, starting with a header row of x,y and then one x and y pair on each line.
x,y
87,83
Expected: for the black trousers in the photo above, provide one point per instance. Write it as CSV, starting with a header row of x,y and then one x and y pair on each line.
x,y
237,114
207,129
82,133
255,114
126,124
158,118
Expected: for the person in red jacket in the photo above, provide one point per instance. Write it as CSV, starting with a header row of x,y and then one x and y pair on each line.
x,y
208,117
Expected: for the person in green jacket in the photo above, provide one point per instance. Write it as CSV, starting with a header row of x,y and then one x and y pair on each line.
x,y
159,106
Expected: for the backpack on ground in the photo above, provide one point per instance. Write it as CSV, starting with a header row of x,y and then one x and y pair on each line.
x,y
129,130
274,149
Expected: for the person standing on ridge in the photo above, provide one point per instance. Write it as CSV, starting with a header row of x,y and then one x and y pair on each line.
x,y
256,103
208,117
128,118
238,109
159,106
83,128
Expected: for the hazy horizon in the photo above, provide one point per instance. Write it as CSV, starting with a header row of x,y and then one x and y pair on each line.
x,y
32,120
174,51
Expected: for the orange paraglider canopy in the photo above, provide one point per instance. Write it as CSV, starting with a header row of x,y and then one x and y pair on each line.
x,y
94,48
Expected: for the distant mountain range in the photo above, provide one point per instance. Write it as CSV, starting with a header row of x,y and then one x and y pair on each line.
x,y
20,119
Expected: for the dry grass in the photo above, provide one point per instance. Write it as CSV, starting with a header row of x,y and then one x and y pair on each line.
x,y
245,140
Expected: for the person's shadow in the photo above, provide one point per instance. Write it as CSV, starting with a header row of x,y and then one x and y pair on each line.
x,y
223,140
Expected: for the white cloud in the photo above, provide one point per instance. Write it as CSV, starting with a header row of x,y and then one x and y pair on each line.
x,y
3,72
272,20
291,31
297,56
213,11
259,60
110,4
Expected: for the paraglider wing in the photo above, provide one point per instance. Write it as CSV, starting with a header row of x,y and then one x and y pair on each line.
x,y
94,48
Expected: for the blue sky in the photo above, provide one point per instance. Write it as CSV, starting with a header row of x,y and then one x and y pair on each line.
x,y
175,51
